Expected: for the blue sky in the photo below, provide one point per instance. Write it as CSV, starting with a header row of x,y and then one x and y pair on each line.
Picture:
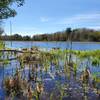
x,y
47,16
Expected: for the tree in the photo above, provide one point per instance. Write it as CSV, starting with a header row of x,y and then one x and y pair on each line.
x,y
26,38
1,31
5,8
68,33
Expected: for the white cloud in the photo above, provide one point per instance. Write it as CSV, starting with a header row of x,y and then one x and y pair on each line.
x,y
94,27
44,19
81,18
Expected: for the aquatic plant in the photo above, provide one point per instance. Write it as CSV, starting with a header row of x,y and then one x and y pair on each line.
x,y
39,62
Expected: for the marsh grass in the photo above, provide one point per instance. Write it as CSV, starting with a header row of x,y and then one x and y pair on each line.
x,y
64,64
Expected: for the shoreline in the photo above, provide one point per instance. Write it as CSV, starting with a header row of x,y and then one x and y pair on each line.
x,y
51,41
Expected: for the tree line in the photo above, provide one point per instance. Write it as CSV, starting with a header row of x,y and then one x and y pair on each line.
x,y
81,34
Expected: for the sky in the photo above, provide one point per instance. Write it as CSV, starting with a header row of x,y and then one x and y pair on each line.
x,y
47,16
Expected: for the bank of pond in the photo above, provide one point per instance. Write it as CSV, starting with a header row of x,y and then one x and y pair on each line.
x,y
56,74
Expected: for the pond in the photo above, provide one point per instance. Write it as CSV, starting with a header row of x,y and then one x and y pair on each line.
x,y
49,45
55,78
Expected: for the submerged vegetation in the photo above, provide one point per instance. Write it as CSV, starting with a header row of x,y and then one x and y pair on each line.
x,y
54,74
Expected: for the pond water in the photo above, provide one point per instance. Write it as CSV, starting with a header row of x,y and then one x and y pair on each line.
x,y
50,78
49,45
